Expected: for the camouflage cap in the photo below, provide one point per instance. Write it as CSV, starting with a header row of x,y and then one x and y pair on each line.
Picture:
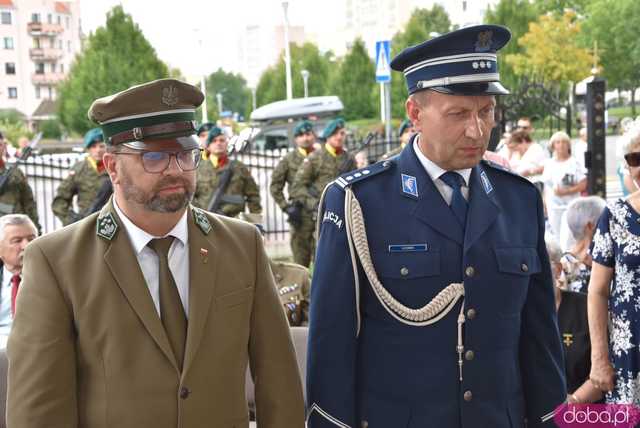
x,y
213,133
93,136
159,109
302,128
332,127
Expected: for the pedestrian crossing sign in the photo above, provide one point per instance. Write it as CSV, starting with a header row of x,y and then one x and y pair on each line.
x,y
383,69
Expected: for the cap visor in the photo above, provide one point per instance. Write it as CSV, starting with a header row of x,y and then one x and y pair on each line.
x,y
490,88
187,142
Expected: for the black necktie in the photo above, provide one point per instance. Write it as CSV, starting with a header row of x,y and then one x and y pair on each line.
x,y
171,309
458,202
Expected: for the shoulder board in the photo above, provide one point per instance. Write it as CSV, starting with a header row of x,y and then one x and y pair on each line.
x,y
499,167
352,177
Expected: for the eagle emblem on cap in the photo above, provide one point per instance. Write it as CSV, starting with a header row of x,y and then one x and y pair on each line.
x,y
170,96
483,43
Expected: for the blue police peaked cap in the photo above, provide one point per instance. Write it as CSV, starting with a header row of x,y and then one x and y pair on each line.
x,y
93,136
462,62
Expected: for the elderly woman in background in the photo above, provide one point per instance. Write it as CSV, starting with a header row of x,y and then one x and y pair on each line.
x,y
582,217
564,178
574,332
615,309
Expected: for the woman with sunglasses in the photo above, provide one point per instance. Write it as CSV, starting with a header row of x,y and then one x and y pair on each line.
x,y
614,291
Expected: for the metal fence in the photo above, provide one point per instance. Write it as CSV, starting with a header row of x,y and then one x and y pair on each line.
x,y
45,172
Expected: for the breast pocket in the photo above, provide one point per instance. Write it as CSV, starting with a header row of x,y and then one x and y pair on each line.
x,y
520,261
235,298
409,265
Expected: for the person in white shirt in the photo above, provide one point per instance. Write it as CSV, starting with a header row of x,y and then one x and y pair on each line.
x,y
580,147
564,178
532,154
16,231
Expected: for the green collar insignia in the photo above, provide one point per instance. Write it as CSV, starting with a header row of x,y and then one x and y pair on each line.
x,y
107,226
201,219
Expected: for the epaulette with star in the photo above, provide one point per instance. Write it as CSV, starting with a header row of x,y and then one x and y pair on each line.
x,y
346,180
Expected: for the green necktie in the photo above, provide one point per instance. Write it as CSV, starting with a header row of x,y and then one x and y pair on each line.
x,y
171,310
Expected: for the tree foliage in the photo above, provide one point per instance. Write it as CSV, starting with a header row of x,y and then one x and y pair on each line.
x,y
116,57
551,51
355,83
272,84
424,24
234,90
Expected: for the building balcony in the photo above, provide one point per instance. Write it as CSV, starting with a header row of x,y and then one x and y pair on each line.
x,y
40,29
45,54
47,78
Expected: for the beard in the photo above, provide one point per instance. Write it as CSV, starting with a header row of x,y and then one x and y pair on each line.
x,y
152,200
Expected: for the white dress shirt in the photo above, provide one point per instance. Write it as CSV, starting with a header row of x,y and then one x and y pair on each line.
x,y
435,172
148,259
5,302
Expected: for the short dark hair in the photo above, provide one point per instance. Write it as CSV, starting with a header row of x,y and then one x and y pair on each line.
x,y
520,137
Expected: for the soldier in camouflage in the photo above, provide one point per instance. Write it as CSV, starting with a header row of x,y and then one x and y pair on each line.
x,y
84,181
322,167
17,196
203,133
241,190
301,226
404,133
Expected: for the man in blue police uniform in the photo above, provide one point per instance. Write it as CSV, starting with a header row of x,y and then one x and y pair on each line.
x,y
432,300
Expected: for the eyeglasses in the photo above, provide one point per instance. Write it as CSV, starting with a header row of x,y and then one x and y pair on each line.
x,y
633,159
158,162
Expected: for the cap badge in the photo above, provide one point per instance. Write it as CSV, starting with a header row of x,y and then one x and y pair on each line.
x,y
170,96
107,226
484,41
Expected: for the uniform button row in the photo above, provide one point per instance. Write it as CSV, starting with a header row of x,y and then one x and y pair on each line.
x,y
470,271
468,396
184,392
471,314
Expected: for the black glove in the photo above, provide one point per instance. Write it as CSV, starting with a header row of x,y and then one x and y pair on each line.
x,y
294,214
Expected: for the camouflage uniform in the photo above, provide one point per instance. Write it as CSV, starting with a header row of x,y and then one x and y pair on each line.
x,y
241,189
302,241
17,197
294,285
318,170
85,182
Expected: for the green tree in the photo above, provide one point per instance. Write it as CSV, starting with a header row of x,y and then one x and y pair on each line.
x,y
355,84
552,52
234,90
515,15
423,25
559,6
612,24
272,83
116,57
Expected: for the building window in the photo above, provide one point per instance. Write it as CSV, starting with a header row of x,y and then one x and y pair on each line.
x,y
10,68
49,18
40,68
13,93
66,22
35,17
8,42
69,46
5,18
59,20
53,67
37,92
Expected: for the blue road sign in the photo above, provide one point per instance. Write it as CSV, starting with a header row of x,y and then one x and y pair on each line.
x,y
383,69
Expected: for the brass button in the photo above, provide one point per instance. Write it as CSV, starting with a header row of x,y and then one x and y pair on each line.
x,y
364,424
469,271
471,314
404,271
184,392
468,396
469,355
524,267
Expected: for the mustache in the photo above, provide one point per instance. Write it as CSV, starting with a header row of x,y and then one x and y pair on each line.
x,y
171,182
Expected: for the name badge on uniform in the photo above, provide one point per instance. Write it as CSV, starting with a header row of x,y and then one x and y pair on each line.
x,y
486,183
407,248
410,185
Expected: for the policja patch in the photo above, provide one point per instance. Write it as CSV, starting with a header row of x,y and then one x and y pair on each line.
x,y
410,185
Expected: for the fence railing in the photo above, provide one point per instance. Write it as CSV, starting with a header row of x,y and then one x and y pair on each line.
x,y
46,172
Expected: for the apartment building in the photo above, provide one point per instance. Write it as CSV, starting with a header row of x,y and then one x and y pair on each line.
x,y
38,42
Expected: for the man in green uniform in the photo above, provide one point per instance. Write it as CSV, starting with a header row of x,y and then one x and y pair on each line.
x,y
203,133
404,133
84,181
301,226
16,197
321,167
240,190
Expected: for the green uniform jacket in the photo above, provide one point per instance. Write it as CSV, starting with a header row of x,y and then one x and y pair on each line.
x,y
316,171
284,173
83,180
241,189
17,197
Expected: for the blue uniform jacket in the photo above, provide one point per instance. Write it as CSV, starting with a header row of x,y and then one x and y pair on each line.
x,y
367,369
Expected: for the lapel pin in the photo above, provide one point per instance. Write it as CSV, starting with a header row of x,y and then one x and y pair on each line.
x,y
204,253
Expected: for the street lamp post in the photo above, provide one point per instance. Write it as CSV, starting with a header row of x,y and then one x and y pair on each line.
x,y
219,98
305,79
203,80
287,53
